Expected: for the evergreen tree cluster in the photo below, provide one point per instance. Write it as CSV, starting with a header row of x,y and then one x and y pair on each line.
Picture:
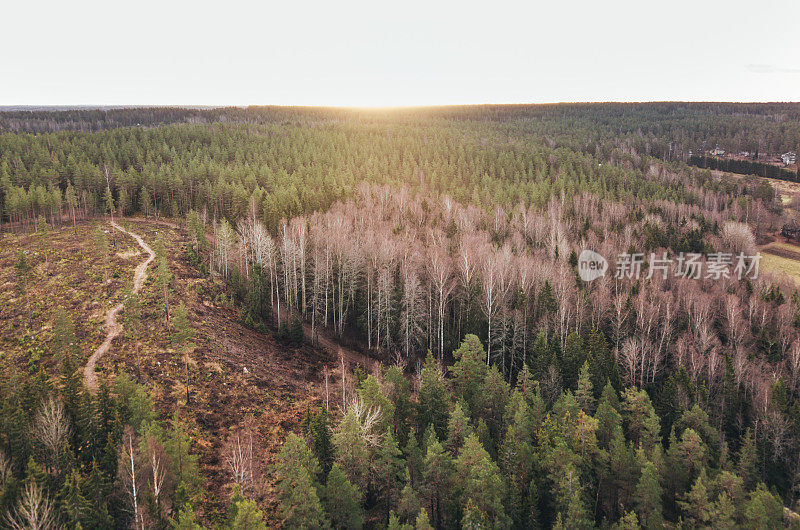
x,y
472,451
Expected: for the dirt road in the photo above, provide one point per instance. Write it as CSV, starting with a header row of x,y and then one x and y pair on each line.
x,y
112,326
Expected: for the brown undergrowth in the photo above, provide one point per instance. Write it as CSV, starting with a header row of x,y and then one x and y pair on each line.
x,y
235,373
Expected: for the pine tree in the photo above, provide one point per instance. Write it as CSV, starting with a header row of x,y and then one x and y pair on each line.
x,y
342,500
185,466
145,202
603,365
72,202
352,450
696,504
245,515
748,461
494,398
372,396
541,356
409,503
458,429
102,249
432,397
618,475
76,509
133,323
422,522
387,470
64,340
569,498
629,521
395,524
647,498
763,510
43,230
607,416
478,481
300,506
108,203
123,203
640,416
585,393
317,430
516,458
187,520
398,391
294,455
722,513
436,480
469,372
573,358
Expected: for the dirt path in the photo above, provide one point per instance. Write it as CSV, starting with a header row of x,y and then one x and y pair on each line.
x,y
112,326
321,338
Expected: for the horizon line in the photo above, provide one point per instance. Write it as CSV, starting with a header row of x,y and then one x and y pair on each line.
x,y
202,106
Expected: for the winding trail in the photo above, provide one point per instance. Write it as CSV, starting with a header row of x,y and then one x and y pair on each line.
x,y
112,326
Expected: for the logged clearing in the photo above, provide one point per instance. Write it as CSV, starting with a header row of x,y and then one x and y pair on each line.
x,y
235,373
779,256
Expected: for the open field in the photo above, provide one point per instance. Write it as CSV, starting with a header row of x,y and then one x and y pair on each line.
x,y
778,264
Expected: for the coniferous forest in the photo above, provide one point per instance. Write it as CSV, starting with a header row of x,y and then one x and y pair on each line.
x,y
418,274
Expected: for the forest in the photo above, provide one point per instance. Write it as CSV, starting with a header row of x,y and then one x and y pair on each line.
x,y
498,389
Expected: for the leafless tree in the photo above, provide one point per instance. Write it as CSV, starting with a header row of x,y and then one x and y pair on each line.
x,y
52,431
738,238
240,459
158,476
440,270
368,419
130,476
34,510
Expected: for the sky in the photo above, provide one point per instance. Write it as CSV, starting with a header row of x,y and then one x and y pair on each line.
x,y
408,53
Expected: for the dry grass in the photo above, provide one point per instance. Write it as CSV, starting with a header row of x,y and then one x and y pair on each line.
x,y
781,265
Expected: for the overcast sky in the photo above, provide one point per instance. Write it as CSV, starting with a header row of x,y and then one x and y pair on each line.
x,y
378,53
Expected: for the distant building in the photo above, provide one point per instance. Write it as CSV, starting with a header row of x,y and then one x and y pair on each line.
x,y
789,158
717,152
